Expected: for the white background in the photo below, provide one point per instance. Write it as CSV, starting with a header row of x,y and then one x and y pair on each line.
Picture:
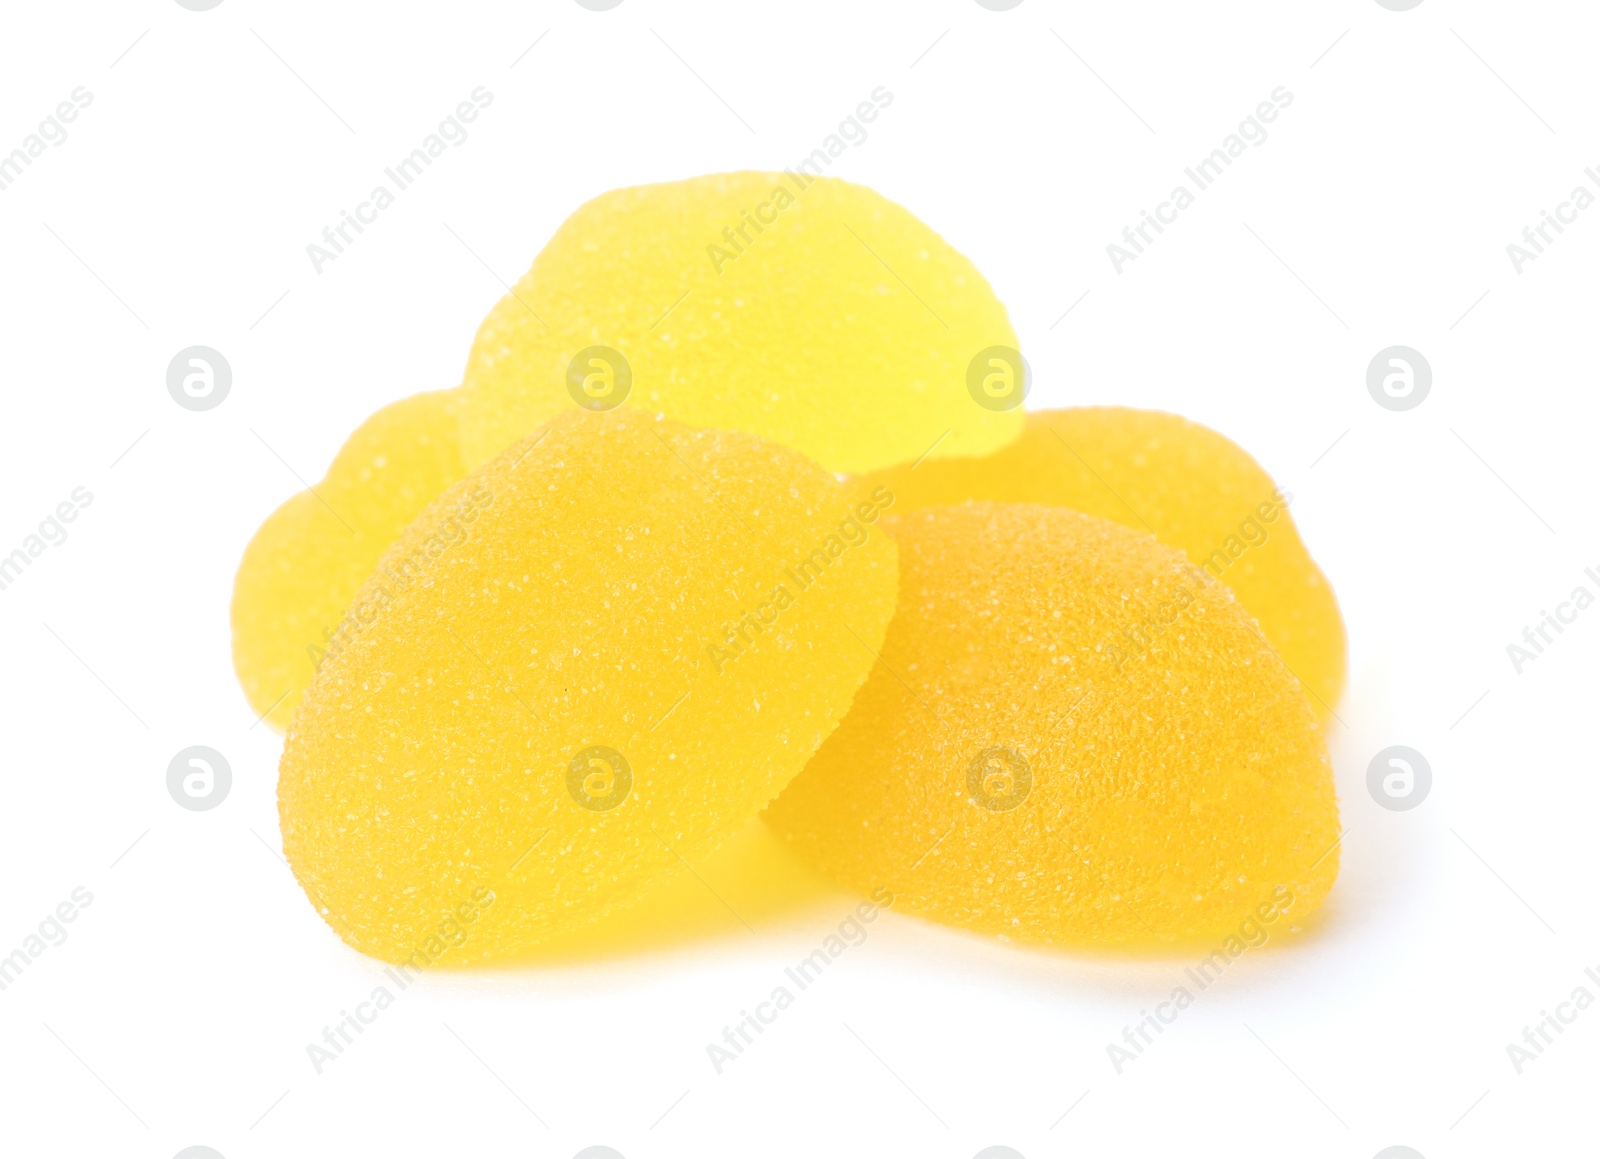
x,y
1378,212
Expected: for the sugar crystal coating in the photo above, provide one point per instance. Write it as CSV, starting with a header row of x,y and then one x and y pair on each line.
x,y
300,571
810,311
1191,488
596,658
1074,736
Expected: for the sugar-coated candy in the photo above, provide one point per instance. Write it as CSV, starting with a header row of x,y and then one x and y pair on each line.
x,y
807,310
1188,486
1073,736
588,664
292,594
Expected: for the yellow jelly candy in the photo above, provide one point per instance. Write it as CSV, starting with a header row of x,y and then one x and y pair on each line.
x,y
1074,736
1185,484
754,880
806,310
633,640
306,562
